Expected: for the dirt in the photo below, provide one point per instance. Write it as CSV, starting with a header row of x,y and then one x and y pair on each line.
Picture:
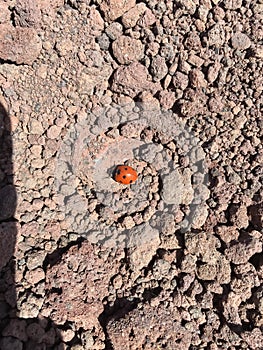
x,y
174,90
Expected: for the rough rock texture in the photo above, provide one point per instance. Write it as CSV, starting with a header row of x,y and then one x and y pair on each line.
x,y
20,45
114,9
132,80
126,50
91,275
173,89
150,326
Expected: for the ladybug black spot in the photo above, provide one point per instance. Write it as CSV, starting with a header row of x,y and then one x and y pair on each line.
x,y
124,177
130,181
126,168
118,172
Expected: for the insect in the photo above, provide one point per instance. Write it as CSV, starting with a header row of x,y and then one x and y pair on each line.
x,y
125,174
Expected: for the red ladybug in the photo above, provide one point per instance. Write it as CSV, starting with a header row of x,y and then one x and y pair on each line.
x,y
125,174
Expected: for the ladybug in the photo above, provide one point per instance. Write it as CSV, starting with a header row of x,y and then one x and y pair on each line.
x,y
125,174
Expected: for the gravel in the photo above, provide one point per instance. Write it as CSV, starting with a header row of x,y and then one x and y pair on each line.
x,y
173,89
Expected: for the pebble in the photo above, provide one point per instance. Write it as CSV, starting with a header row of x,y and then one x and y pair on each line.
x,y
131,17
114,30
53,132
127,50
159,68
240,41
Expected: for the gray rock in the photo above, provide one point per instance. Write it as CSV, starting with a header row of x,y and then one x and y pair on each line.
x,y
177,188
159,68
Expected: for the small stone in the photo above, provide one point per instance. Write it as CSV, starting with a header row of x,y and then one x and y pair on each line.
x,y
143,241
227,233
239,216
213,71
114,9
207,272
27,14
35,259
147,19
38,163
35,127
167,99
42,71
127,50
133,79
35,276
130,18
240,41
159,68
128,222
71,110
95,23
53,132
67,335
30,308
216,35
232,4
180,80
241,252
177,188
114,30
63,47
103,41
197,79
199,215
148,102
193,41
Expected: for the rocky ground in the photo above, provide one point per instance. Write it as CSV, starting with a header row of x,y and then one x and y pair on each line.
x,y
174,89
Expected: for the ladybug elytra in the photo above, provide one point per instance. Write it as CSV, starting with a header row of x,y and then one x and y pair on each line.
x,y
125,174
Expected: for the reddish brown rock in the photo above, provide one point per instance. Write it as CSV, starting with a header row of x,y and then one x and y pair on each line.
x,y
130,18
132,80
240,41
159,68
20,45
197,78
95,23
180,80
241,252
147,19
27,13
239,216
116,8
76,286
227,233
127,50
216,104
213,71
167,99
152,327
5,13
254,338
195,102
